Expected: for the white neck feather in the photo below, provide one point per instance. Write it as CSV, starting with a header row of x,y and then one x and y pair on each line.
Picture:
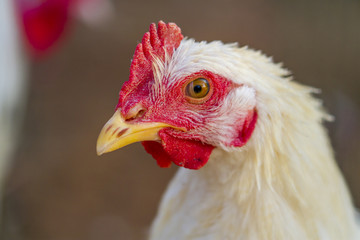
x,y
237,196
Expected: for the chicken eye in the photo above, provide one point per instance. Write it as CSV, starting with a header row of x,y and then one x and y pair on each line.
x,y
198,88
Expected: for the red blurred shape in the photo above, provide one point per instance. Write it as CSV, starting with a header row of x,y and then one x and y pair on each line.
x,y
44,23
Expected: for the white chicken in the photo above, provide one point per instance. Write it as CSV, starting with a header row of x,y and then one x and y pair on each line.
x,y
256,160
12,84
31,29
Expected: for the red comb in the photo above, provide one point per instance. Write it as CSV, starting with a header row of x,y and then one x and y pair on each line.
x,y
166,37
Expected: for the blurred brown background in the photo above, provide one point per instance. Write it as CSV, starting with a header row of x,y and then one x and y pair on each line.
x,y
59,189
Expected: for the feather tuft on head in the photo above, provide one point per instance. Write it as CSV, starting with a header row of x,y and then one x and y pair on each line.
x,y
156,43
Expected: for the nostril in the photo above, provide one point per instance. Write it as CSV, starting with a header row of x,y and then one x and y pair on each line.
x,y
137,116
140,114
136,112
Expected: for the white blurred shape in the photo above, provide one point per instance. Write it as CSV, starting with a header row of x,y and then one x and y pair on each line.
x,y
12,86
94,12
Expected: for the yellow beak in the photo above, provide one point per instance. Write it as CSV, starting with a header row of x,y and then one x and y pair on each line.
x,y
117,133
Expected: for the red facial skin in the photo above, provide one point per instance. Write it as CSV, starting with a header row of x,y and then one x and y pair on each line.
x,y
184,149
173,107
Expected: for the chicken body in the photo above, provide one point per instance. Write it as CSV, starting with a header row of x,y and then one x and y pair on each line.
x,y
272,178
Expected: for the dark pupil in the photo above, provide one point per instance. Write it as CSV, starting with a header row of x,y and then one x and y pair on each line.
x,y
197,88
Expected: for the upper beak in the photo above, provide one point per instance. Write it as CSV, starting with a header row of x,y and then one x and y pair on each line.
x,y
118,133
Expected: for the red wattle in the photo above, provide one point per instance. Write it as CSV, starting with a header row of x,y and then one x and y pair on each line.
x,y
184,153
157,151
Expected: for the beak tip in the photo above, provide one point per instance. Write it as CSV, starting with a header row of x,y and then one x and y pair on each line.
x,y
100,151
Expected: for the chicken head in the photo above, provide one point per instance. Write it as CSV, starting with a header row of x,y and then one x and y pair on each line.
x,y
178,103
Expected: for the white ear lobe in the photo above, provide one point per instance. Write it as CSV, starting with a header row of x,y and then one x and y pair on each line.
x,y
243,97
230,117
241,105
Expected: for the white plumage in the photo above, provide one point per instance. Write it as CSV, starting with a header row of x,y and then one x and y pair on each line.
x,y
284,184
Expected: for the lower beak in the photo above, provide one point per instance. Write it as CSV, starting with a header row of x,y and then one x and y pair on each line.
x,y
118,133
